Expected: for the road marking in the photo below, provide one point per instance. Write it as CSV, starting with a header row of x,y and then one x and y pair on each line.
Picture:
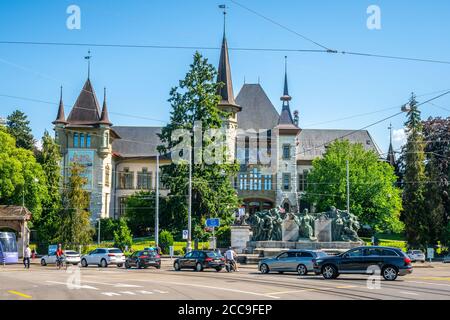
x,y
434,284
128,292
411,293
20,294
117,285
291,291
432,278
110,294
75,286
209,287
345,287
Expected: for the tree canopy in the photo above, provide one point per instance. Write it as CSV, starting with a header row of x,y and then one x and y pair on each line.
x,y
19,127
374,198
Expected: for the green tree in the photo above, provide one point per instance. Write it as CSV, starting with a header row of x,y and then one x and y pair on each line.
x,y
107,228
413,157
22,179
195,100
165,241
122,235
374,198
49,158
19,127
75,227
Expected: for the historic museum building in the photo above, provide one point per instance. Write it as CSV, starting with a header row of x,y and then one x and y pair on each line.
x,y
121,160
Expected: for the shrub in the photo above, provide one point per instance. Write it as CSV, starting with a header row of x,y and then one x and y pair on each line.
x,y
165,241
122,235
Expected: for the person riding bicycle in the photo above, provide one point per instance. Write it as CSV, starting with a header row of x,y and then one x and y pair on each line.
x,y
59,255
230,257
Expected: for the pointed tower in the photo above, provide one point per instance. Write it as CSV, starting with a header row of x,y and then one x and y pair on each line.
x,y
104,118
60,117
227,102
286,161
391,155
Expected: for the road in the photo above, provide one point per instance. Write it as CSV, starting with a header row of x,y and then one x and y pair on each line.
x,y
92,283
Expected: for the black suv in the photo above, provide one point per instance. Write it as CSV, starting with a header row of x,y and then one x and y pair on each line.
x,y
199,260
391,262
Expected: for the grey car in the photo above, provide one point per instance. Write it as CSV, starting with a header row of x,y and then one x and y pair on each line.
x,y
299,261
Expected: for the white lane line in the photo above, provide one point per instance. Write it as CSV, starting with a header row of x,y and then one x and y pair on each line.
x,y
291,291
209,287
117,285
76,286
410,293
434,284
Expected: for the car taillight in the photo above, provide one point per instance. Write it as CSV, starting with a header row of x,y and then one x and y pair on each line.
x,y
157,256
208,259
111,255
222,259
407,260
143,257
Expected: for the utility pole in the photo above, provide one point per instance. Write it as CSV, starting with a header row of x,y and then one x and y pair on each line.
x,y
99,224
157,203
348,189
189,241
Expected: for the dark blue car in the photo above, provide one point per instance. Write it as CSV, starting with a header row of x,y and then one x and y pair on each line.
x,y
388,262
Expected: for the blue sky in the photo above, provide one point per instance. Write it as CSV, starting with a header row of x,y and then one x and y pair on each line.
x,y
324,87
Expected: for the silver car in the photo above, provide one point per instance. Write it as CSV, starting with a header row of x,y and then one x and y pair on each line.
x,y
416,255
72,257
299,261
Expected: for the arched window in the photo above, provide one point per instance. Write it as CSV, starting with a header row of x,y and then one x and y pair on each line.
x,y
75,140
81,140
88,140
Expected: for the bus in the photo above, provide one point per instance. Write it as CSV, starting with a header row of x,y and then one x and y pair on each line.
x,y
8,248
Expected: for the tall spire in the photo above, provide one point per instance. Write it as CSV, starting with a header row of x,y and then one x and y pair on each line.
x,y
286,116
88,58
104,119
60,117
391,155
224,73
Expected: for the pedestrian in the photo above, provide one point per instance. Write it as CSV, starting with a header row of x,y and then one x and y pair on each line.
x,y
26,257
33,254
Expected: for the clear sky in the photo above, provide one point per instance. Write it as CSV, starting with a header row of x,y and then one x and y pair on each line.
x,y
324,87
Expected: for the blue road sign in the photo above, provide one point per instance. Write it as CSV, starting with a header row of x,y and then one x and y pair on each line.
x,y
213,222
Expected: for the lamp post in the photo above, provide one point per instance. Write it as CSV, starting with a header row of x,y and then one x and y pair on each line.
x,y
98,234
157,203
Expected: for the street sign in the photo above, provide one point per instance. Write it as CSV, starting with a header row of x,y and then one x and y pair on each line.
x,y
430,253
171,251
185,234
213,222
52,249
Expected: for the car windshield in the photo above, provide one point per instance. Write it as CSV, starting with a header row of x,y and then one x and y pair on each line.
x,y
115,251
321,254
212,254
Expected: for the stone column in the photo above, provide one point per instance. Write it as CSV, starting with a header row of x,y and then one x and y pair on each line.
x,y
240,235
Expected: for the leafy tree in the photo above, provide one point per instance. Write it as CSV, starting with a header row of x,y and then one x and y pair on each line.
x,y
374,199
49,158
122,235
413,156
165,240
75,227
19,127
195,100
107,227
22,179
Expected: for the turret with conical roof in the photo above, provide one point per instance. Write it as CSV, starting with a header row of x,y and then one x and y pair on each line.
x,y
60,117
285,121
104,119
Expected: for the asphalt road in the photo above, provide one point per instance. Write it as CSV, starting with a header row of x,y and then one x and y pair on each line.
x,y
95,283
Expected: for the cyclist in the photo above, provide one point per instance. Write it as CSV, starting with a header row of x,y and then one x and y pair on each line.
x,y
230,257
59,256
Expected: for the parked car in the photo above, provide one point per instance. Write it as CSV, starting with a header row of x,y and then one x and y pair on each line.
x,y
446,259
299,261
71,257
199,260
392,262
416,255
143,259
103,257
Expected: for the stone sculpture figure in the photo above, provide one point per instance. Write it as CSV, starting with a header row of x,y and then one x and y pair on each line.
x,y
306,229
277,222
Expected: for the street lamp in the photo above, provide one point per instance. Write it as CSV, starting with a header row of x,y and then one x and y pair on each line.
x,y
98,235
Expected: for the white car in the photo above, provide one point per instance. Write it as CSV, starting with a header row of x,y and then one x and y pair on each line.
x,y
71,257
416,255
103,257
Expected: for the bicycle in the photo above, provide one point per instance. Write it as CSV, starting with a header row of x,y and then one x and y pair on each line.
x,y
61,263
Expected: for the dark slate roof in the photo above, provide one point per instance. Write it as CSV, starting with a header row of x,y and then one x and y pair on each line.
x,y
60,117
257,110
86,109
224,76
136,141
14,213
311,141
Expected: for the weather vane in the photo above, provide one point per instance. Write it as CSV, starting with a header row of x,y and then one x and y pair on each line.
x,y
88,58
224,8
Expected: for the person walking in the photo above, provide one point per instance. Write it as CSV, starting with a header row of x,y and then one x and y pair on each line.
x,y
26,257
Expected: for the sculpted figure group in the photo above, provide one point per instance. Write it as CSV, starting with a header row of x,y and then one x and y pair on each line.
x,y
268,224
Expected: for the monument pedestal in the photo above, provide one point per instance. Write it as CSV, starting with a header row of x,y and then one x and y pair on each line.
x,y
240,235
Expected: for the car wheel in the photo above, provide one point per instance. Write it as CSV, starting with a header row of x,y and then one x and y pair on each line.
x,y
198,267
176,266
138,265
43,263
329,272
219,269
84,263
264,268
389,273
158,266
127,265
103,263
302,270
